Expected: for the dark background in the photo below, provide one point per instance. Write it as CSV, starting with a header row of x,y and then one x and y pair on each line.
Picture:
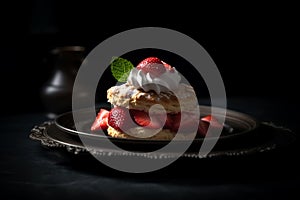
x,y
255,47
252,45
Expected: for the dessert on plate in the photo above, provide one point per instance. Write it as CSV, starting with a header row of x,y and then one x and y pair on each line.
x,y
136,114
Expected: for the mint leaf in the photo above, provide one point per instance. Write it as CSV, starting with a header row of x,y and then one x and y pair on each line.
x,y
120,68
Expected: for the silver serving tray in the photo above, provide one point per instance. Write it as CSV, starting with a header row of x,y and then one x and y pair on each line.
x,y
258,139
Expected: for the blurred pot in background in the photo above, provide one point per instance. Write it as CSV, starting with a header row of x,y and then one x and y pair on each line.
x,y
56,93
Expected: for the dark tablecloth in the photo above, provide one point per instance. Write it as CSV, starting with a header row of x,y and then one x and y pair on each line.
x,y
29,170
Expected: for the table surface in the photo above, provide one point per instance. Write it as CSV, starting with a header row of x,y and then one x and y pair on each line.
x,y
29,170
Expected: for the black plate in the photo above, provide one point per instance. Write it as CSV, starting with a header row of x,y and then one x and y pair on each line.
x,y
241,123
265,138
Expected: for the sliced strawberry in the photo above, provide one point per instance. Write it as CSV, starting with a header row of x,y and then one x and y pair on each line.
x,y
143,119
202,128
169,121
187,122
101,120
207,118
152,65
212,120
175,122
205,122
119,118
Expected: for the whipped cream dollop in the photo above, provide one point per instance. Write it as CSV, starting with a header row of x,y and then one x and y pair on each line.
x,y
168,81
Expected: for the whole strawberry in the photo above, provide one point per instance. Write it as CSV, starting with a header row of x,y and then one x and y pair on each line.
x,y
120,119
152,65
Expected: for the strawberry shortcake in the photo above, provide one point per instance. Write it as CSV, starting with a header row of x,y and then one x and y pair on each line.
x,y
135,113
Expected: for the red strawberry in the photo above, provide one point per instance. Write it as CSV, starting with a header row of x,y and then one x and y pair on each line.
x,y
152,65
143,119
119,118
202,128
100,121
185,121
205,122
213,121
169,121
168,67
174,122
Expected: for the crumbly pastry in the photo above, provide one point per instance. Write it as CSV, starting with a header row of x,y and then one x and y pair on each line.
x,y
128,96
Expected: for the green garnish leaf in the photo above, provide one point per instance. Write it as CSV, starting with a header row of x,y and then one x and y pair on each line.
x,y
121,68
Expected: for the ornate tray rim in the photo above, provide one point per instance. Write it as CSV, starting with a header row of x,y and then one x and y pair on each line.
x,y
39,133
